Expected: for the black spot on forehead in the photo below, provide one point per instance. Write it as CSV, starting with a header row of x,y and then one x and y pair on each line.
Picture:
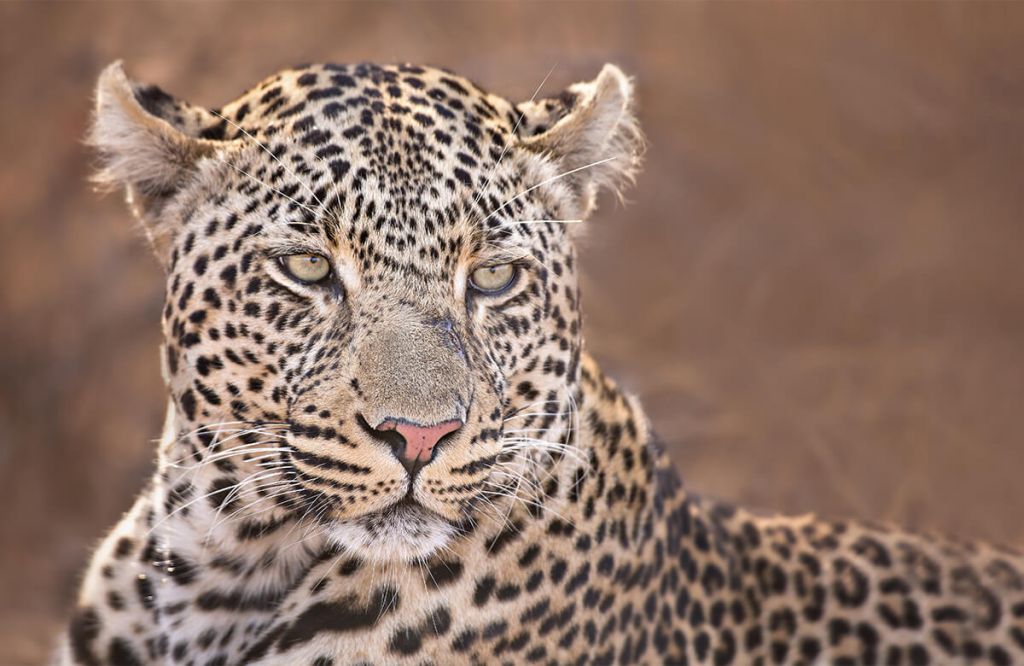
x,y
418,135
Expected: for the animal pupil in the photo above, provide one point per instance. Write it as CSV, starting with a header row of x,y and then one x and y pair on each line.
x,y
411,475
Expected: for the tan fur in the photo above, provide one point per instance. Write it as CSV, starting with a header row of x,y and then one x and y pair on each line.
x,y
281,526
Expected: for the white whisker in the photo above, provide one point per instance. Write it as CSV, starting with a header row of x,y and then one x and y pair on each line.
x,y
271,153
548,181
260,182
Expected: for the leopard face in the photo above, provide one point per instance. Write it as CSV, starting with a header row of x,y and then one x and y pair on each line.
x,y
372,306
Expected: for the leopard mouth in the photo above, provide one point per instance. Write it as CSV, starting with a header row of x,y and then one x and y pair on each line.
x,y
405,507
403,531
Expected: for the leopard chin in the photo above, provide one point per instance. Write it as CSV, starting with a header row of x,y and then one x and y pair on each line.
x,y
403,532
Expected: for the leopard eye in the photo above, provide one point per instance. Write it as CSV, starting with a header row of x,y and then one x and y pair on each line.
x,y
493,279
308,268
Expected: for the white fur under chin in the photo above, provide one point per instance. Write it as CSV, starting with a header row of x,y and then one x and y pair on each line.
x,y
406,535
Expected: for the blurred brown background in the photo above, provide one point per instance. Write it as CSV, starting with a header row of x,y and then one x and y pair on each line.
x,y
817,288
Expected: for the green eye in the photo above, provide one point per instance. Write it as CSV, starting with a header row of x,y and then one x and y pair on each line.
x,y
493,279
307,268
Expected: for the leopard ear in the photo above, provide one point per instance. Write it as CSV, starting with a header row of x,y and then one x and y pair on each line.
x,y
591,131
149,143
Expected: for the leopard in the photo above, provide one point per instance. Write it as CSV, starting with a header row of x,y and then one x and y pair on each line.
x,y
385,441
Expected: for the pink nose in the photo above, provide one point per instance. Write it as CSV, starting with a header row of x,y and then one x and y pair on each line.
x,y
420,440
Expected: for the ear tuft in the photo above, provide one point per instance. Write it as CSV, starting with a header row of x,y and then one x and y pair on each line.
x,y
139,149
592,131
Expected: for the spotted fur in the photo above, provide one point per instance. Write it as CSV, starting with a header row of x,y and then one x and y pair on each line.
x,y
550,528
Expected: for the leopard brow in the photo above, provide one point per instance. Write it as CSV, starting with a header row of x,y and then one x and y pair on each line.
x,y
491,253
510,240
275,250
280,239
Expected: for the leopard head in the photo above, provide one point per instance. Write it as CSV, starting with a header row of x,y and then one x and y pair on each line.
x,y
371,277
